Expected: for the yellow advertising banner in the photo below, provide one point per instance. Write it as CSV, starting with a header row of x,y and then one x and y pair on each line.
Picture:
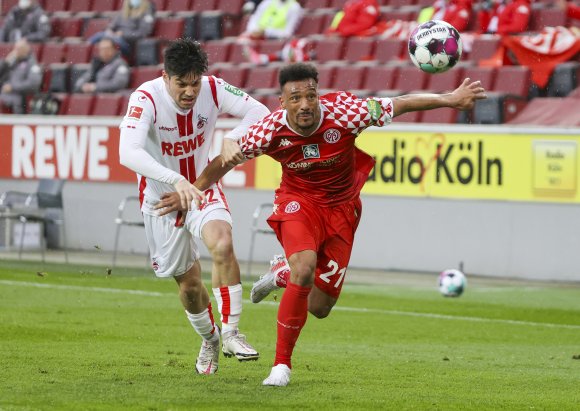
x,y
464,165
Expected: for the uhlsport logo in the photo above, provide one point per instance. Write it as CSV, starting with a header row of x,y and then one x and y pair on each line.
x,y
331,135
292,207
311,151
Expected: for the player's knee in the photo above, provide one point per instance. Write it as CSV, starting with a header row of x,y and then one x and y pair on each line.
x,y
320,312
302,273
222,249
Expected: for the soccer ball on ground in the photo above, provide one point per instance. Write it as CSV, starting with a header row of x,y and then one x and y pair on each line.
x,y
435,46
452,283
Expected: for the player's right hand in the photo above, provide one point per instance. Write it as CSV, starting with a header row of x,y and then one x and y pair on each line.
x,y
231,153
188,194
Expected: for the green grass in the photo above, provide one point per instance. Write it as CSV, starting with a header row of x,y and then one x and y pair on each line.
x,y
76,338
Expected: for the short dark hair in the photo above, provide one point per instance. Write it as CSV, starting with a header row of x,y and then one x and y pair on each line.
x,y
297,72
184,56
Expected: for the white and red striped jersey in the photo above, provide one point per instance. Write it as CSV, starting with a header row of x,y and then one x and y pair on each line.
x,y
162,142
326,167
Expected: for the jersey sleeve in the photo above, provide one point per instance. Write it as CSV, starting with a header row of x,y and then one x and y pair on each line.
x,y
141,112
239,104
357,114
258,138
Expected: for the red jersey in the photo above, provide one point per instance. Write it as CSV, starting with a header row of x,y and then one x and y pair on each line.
x,y
325,167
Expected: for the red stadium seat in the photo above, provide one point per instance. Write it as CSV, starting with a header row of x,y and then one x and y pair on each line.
x,y
261,77
141,74
78,53
123,105
218,51
484,47
380,78
329,49
446,81
107,104
409,78
337,4
513,80
546,17
237,55
169,28
80,104
94,26
410,117
178,5
443,115
388,50
77,6
326,77
233,7
100,6
64,27
271,46
349,78
6,5
484,74
272,101
203,5
315,4
310,24
359,49
53,6
53,52
234,75
160,5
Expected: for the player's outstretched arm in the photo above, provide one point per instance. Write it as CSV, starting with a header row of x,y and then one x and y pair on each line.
x,y
462,98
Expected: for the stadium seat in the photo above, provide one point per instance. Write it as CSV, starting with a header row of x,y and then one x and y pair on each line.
x,y
446,81
410,117
484,74
326,77
123,105
546,17
234,75
575,93
313,5
270,46
59,81
204,5
178,5
389,50
310,24
234,25
141,74
160,5
78,53
349,78
564,79
409,78
272,101
77,6
94,26
66,27
170,28
484,47
233,7
147,52
53,52
191,26
54,6
261,78
542,111
443,115
80,104
218,51
359,49
237,55
106,104
379,78
329,49
513,80
100,6
210,26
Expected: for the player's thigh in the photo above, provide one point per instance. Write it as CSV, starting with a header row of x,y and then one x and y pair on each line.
x,y
172,249
202,223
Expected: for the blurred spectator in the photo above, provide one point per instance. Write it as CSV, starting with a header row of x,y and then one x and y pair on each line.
x,y
274,19
135,21
455,12
109,72
28,20
572,10
20,76
295,50
504,16
355,18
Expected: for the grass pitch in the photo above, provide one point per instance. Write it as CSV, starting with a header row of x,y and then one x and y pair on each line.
x,y
78,338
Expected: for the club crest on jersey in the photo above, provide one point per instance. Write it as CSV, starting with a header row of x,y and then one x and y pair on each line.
x,y
135,112
311,151
331,135
292,207
201,121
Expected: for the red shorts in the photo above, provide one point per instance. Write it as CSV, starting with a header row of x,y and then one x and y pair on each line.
x,y
329,231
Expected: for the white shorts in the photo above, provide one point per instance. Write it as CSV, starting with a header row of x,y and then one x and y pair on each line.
x,y
173,249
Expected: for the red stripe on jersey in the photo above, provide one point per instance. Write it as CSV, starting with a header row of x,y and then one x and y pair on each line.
x,y
189,123
191,170
226,304
181,125
185,124
213,88
152,102
142,185
223,196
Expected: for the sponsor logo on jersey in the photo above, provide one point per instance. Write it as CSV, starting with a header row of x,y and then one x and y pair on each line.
x,y
331,135
234,90
180,148
165,128
201,121
284,143
135,112
311,151
292,207
374,108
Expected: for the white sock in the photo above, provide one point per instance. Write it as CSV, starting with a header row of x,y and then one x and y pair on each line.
x,y
203,324
229,301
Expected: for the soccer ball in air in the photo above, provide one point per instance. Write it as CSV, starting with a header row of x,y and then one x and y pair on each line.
x,y
452,283
435,46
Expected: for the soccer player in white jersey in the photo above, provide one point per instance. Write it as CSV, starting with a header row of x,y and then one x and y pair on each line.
x,y
317,207
166,136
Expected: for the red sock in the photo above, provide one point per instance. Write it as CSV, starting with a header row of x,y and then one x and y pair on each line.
x,y
292,316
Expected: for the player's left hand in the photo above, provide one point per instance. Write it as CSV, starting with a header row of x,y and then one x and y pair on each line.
x,y
467,93
169,203
231,153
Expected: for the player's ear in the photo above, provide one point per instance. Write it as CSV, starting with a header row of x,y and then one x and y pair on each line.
x,y
282,103
165,76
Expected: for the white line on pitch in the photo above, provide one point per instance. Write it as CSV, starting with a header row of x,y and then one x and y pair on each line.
x,y
272,303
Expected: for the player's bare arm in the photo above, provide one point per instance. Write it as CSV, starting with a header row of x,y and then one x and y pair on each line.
x,y
188,194
462,98
231,154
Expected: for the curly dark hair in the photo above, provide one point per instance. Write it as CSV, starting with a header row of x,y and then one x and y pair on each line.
x,y
184,56
297,72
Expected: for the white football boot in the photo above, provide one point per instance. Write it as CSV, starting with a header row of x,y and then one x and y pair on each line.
x,y
235,344
267,283
279,376
209,355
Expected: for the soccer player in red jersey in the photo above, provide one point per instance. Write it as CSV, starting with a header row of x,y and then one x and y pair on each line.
x,y
317,207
